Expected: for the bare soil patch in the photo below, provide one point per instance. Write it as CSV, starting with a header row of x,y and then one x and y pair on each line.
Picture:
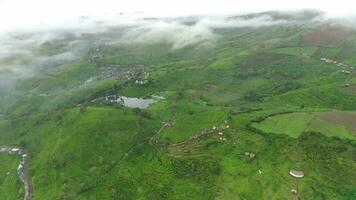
x,y
345,118
350,90
328,34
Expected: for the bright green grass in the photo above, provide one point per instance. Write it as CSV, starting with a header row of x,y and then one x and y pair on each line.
x,y
325,96
328,52
292,124
11,187
228,58
295,123
189,125
104,153
224,63
329,129
351,61
85,145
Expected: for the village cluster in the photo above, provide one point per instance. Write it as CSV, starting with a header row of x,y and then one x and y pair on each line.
x,y
118,72
168,123
214,131
339,64
138,73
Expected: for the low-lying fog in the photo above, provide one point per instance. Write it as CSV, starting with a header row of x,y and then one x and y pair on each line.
x,y
23,51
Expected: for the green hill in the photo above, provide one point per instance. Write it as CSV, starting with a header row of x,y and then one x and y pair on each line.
x,y
264,89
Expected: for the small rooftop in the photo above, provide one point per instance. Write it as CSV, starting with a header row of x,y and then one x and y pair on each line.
x,y
296,173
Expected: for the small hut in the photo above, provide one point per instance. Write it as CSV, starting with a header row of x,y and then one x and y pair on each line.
x,y
250,155
296,173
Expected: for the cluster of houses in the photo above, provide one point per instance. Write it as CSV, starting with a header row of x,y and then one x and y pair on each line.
x,y
138,73
345,71
339,64
204,133
141,76
139,82
112,73
327,60
214,131
118,72
168,123
250,155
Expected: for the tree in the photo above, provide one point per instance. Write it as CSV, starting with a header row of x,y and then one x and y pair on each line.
x,y
82,108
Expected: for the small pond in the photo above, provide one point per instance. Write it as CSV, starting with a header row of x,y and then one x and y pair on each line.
x,y
131,102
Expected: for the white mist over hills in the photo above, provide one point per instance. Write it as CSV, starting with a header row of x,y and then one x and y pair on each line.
x,y
25,29
28,28
23,44
19,14
179,32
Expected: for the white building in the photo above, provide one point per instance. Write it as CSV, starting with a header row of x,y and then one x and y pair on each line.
x,y
296,173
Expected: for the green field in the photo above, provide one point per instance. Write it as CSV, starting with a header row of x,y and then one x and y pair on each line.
x,y
338,124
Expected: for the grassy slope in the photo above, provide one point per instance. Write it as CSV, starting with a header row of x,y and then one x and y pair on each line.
x,y
94,142
296,123
11,187
292,124
104,153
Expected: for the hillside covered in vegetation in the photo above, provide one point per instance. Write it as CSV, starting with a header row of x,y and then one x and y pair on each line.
x,y
184,108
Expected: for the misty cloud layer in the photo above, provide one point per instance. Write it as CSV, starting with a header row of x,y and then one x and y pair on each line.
x,y
23,51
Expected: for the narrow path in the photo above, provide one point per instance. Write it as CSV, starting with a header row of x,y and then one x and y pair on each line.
x,y
22,169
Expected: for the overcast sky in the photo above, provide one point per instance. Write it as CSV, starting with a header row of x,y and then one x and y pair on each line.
x,y
16,14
